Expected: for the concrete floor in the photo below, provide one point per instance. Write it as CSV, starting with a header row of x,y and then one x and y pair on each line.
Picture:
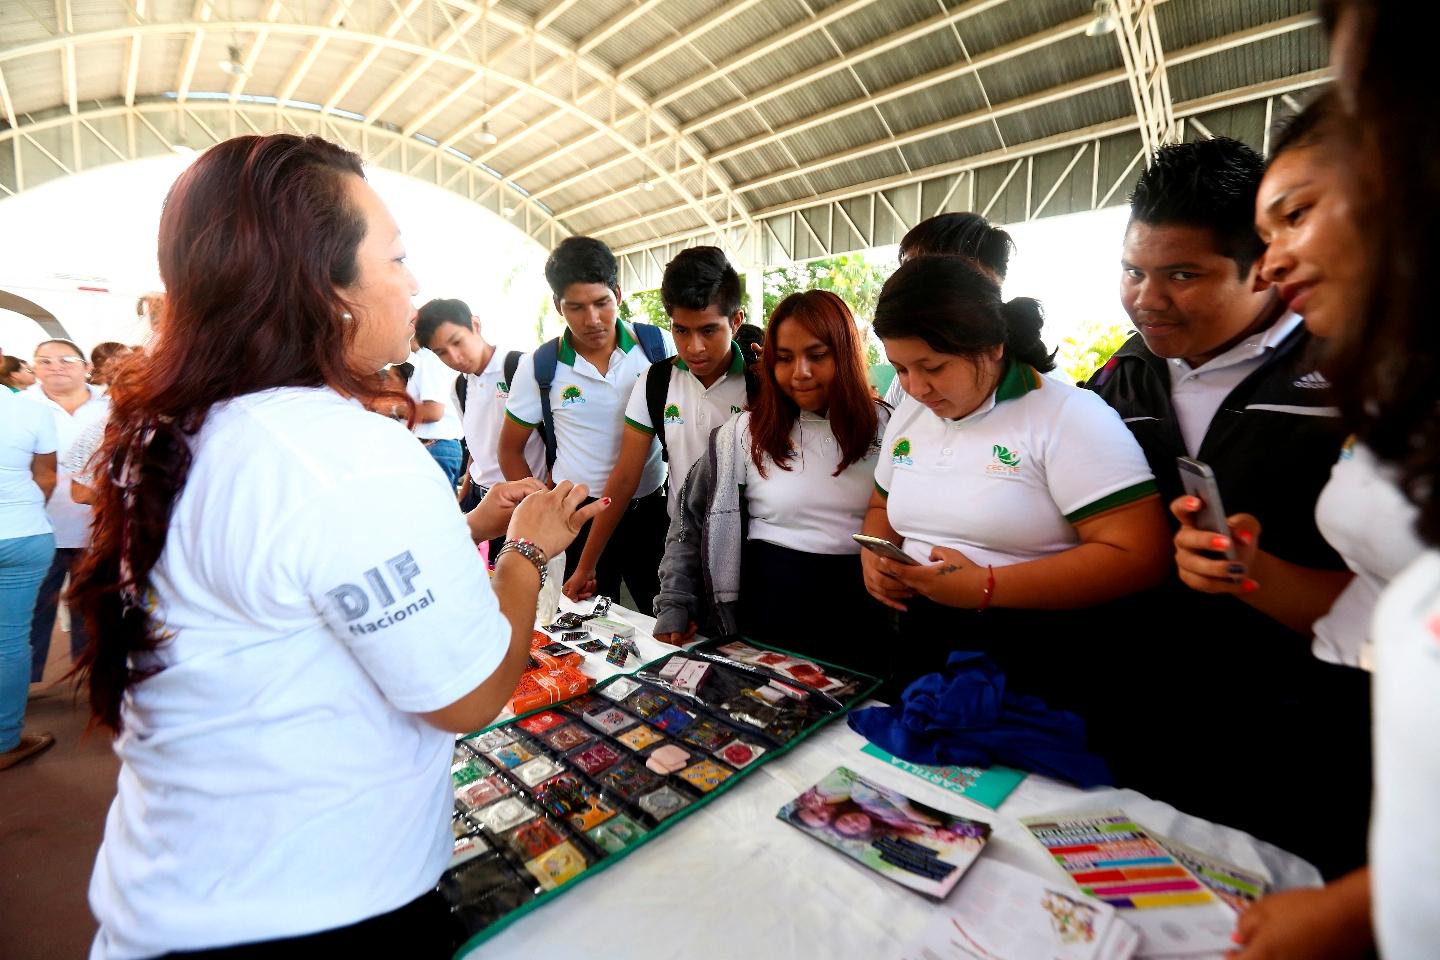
x,y
52,814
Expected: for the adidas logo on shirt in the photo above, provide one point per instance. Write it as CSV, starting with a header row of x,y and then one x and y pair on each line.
x,y
1314,380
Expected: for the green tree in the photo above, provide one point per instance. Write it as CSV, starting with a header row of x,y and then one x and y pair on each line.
x,y
672,412
571,393
902,448
1086,350
851,275
646,307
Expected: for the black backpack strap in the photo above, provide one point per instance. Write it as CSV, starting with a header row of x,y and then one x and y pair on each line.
x,y
461,388
657,388
512,363
651,341
547,355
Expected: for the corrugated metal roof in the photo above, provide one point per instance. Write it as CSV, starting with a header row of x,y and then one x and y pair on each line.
x,y
741,68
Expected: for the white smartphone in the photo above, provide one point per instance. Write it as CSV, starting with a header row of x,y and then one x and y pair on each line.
x,y
885,549
1199,482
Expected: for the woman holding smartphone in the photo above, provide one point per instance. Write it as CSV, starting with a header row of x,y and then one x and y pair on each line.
x,y
762,543
1016,494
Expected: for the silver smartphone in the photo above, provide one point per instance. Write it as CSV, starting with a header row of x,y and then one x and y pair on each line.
x,y
1199,482
885,548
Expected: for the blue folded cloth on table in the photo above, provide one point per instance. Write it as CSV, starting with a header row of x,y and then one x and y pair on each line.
x,y
964,716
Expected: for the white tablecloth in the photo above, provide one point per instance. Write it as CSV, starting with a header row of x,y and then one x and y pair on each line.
x,y
732,881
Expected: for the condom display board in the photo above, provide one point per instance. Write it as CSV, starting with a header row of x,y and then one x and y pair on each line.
x,y
548,799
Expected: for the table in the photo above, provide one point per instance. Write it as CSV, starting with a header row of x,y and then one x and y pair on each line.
x,y
733,881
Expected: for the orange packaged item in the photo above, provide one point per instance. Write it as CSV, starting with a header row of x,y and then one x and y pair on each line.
x,y
539,688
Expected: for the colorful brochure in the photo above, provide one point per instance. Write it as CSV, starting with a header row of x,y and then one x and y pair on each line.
x,y
915,845
1112,858
989,788
1003,913
1236,886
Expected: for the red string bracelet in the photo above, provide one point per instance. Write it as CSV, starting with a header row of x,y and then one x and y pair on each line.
x,y
989,590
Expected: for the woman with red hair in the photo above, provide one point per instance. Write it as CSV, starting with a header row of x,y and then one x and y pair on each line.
x,y
762,543
290,619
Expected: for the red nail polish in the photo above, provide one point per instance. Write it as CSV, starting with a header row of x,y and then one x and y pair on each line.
x,y
1249,586
607,501
1219,543
1192,503
1245,537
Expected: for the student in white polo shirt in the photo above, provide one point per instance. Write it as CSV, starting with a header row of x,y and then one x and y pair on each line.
x,y
453,333
762,543
955,235
681,400
437,424
1015,494
577,387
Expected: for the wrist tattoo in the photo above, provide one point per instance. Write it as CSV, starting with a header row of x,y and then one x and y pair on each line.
x,y
950,568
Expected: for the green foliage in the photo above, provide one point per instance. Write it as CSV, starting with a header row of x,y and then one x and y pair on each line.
x,y
1086,350
571,393
646,307
851,275
902,448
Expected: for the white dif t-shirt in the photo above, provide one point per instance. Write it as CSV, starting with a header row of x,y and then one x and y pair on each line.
x,y
806,508
434,382
1009,482
1364,516
317,590
1404,830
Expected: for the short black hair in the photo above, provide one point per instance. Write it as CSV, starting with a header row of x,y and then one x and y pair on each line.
x,y
960,234
1208,183
581,260
1315,122
699,277
436,314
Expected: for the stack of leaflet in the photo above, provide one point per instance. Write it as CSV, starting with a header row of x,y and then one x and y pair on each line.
x,y
1115,860
1003,913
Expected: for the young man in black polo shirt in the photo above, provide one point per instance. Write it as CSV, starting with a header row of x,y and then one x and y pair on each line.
x,y
1221,371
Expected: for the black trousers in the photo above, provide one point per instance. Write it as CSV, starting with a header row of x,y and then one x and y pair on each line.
x,y
633,553
814,604
423,929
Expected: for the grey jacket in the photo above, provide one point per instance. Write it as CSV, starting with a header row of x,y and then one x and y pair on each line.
x,y
702,549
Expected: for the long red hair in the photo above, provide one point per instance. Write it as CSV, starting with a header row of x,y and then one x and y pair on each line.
x,y
255,239
852,408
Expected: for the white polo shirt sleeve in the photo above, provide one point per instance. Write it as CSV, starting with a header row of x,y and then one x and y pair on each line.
x,y
1092,462
637,411
523,404
390,566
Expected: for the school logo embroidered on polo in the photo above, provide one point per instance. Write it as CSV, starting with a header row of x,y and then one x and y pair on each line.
x,y
571,396
900,453
502,390
1003,460
672,414
734,408
1314,380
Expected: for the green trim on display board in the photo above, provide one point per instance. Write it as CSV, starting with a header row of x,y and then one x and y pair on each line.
x,y
868,684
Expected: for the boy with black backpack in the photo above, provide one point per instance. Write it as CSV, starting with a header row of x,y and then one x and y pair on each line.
x,y
679,401
449,330
574,389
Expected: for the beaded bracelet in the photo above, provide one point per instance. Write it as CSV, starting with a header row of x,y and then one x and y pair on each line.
x,y
528,550
989,590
